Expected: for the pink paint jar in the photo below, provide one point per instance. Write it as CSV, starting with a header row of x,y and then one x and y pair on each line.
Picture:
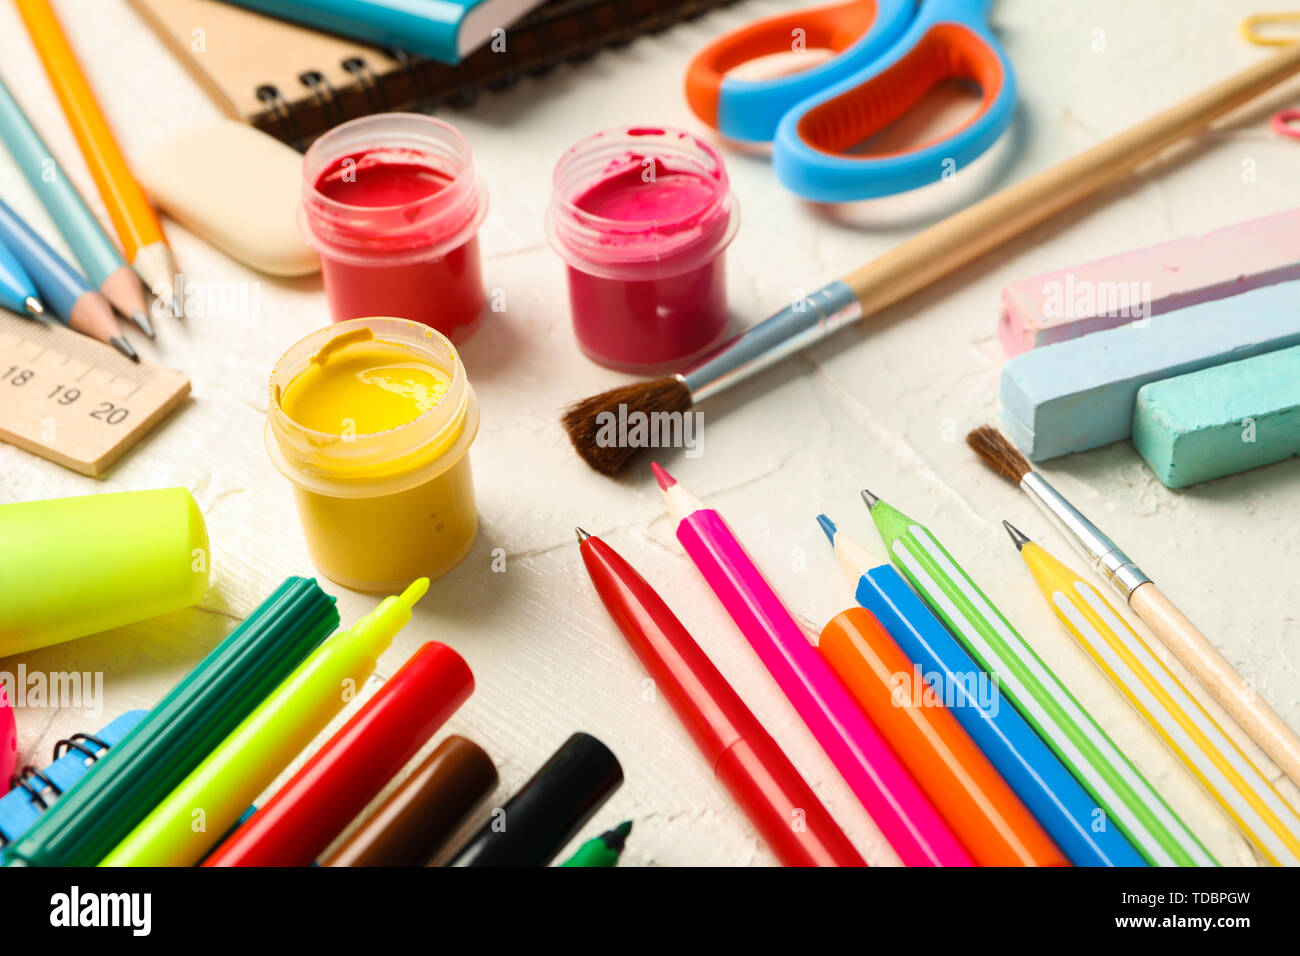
x,y
393,203
643,217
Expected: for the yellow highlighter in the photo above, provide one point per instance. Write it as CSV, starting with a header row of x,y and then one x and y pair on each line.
x,y
1266,820
76,566
194,816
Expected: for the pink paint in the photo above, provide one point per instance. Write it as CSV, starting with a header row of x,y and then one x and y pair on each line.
x,y
393,204
863,757
643,218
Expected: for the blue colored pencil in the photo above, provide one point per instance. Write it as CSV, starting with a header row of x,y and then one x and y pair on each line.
x,y
99,257
62,288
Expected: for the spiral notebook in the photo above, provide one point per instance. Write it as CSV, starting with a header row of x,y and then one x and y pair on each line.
x,y
34,790
295,83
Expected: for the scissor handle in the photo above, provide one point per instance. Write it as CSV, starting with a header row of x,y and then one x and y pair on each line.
x,y
857,31
811,152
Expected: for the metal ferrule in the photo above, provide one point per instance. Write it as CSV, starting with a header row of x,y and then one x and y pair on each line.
x,y
795,327
1102,553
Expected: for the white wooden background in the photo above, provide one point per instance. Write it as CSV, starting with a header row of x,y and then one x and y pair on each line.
x,y
884,406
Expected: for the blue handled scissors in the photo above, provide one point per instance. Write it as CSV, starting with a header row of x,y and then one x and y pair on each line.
x,y
887,55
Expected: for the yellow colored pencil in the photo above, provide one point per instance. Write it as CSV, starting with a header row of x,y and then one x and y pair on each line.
x,y
1236,784
133,218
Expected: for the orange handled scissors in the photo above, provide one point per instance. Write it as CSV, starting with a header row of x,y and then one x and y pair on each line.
x,y
887,55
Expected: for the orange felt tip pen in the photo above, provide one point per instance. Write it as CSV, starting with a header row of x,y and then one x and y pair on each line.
x,y
982,810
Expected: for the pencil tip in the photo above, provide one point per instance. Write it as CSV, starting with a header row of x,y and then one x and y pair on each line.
x,y
828,526
34,305
869,498
665,480
582,535
123,346
1018,537
142,323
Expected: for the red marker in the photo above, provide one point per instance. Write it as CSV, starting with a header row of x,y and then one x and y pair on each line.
x,y
322,798
758,775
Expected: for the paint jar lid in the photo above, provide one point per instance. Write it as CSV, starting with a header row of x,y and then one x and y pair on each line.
x,y
639,203
410,230
378,463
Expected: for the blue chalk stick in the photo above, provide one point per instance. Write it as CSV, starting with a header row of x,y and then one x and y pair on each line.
x,y
1220,420
1081,394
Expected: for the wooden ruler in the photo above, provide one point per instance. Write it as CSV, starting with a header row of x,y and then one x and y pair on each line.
x,y
76,401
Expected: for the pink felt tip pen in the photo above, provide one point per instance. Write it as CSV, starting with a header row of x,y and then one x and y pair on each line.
x,y
896,803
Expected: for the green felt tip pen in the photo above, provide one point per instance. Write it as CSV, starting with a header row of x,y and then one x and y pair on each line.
x,y
1124,795
603,850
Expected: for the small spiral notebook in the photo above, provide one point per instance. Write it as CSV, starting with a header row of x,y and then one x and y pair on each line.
x,y
295,83
34,790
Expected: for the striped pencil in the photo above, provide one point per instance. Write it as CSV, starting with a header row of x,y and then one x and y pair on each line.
x,y
1129,801
878,778
1061,805
1244,794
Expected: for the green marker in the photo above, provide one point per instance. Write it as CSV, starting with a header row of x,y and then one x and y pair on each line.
x,y
604,850
1108,776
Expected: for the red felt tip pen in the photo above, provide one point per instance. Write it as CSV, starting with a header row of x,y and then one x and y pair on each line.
x,y
755,771
319,801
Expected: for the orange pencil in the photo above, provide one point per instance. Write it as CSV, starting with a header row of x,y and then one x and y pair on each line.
x,y
985,814
134,219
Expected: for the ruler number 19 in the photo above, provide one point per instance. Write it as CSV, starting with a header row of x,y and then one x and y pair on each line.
x,y
64,395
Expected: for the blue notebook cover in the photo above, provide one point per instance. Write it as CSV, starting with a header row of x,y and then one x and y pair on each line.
x,y
442,30
34,790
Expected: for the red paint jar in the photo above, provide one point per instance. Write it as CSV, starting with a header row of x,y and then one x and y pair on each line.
x,y
393,204
643,217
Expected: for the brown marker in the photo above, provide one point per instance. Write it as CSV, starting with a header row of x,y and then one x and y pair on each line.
x,y
412,824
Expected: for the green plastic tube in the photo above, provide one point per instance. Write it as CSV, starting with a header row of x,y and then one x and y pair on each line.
x,y
121,789
249,760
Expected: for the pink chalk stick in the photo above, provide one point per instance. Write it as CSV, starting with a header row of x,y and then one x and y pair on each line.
x,y
896,803
1075,301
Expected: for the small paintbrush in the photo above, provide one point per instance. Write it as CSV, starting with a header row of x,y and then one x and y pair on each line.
x,y
926,257
1210,668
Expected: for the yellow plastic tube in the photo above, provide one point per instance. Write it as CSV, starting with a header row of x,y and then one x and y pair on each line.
x,y
76,566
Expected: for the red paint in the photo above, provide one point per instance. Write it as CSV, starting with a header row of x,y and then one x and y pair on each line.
x,y
642,217
320,800
396,225
743,756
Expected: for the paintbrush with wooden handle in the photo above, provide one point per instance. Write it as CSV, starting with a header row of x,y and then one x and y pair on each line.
x,y
926,257
1210,668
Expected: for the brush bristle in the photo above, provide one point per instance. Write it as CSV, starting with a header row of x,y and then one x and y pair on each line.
x,y
997,452
580,419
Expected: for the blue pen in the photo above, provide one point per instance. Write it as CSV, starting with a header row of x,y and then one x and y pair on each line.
x,y
62,288
103,264
442,30
17,291
1039,779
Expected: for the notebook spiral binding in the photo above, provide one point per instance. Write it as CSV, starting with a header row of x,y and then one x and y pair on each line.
x,y
23,779
557,32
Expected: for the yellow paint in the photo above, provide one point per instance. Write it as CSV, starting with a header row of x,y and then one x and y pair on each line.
x,y
363,385
361,388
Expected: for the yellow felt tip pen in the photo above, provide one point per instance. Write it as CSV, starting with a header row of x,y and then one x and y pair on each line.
x,y
1266,820
207,803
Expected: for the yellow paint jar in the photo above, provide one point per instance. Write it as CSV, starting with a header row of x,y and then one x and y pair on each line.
x,y
372,420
